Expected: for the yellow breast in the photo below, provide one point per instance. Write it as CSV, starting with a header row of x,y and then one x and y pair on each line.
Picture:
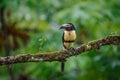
x,y
69,35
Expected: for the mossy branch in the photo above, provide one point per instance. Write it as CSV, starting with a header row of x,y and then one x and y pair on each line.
x,y
61,55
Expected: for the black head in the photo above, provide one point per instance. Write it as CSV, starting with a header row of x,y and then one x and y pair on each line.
x,y
68,26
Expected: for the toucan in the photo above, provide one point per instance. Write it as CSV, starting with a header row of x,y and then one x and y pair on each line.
x,y
68,38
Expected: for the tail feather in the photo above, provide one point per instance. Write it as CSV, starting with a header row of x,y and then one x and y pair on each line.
x,y
62,66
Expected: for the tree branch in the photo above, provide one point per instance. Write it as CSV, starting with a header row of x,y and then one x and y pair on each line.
x,y
60,55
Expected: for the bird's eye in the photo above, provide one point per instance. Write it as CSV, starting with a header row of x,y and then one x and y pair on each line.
x,y
68,25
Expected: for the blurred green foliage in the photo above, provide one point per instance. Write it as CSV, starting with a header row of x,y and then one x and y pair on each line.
x,y
93,19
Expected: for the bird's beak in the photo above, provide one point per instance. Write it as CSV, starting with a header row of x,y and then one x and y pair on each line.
x,y
62,27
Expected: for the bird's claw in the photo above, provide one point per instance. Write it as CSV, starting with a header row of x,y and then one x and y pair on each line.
x,y
71,49
66,51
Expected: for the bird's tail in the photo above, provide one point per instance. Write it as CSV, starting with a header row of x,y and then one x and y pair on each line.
x,y
62,66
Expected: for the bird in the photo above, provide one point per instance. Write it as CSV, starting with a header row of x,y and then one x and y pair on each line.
x,y
68,38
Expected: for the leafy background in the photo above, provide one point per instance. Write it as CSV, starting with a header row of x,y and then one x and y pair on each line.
x,y
39,21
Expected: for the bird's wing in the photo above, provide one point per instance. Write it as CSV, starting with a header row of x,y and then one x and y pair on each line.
x,y
63,39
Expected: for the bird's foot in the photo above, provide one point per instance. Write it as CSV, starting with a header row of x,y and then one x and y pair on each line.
x,y
71,49
66,51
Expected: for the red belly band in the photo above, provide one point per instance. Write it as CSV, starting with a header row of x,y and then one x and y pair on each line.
x,y
65,41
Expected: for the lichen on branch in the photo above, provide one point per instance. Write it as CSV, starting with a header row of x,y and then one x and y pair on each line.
x,y
61,55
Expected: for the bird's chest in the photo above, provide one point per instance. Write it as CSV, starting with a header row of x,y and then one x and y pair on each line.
x,y
69,35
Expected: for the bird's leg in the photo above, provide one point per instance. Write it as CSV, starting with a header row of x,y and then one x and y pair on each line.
x,y
71,49
66,51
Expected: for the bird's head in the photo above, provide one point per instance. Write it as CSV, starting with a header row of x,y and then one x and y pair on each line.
x,y
67,26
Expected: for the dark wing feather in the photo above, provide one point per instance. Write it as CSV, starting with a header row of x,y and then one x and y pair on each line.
x,y
63,40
